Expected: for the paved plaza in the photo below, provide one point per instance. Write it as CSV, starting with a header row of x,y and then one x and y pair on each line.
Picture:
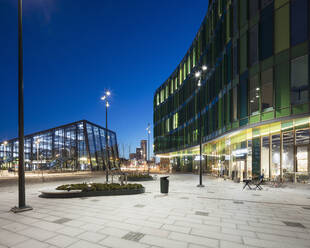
x,y
219,215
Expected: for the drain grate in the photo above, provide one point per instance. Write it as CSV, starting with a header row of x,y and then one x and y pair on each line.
x,y
293,224
210,192
62,220
95,200
256,195
139,206
184,198
201,213
238,202
133,236
83,198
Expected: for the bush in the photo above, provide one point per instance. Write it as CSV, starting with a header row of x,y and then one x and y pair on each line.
x,y
139,176
98,187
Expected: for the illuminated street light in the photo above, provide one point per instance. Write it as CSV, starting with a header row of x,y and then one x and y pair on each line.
x,y
107,105
21,169
198,75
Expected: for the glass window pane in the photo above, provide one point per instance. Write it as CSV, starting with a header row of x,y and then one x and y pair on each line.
x,y
282,30
253,45
299,80
288,153
266,33
275,165
243,98
243,53
253,8
265,156
265,3
299,21
254,95
267,89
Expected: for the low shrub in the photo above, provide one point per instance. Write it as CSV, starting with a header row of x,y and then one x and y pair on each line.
x,y
84,187
139,176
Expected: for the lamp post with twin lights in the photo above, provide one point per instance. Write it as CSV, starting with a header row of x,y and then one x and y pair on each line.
x,y
198,75
107,105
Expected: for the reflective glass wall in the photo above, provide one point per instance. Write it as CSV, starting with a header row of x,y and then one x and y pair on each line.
x,y
77,146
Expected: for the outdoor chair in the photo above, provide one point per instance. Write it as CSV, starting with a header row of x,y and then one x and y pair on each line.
x,y
258,184
247,183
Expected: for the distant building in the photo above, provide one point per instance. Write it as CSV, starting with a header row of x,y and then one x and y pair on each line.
x,y
144,149
132,156
139,153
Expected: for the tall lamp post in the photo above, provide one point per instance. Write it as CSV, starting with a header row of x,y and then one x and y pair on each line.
x,y
21,170
107,105
148,146
198,75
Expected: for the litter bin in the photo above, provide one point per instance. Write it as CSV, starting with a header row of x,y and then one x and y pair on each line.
x,y
164,185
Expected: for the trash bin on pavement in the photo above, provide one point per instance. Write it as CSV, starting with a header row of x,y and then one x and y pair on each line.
x,y
164,185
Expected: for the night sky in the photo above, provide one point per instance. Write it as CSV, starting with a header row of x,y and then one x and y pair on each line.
x,y
76,49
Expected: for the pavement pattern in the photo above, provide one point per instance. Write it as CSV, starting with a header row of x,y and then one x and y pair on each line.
x,y
220,215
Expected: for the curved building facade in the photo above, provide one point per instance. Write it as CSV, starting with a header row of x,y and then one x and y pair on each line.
x,y
243,85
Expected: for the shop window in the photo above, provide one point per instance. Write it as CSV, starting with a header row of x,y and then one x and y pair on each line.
x,y
253,45
265,157
288,154
282,40
266,33
302,151
299,80
243,53
299,21
254,95
267,89
275,165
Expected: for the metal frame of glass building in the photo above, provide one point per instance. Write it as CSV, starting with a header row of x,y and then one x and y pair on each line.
x,y
253,102
76,146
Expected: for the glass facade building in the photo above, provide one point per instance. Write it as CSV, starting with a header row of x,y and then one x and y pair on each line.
x,y
253,102
80,145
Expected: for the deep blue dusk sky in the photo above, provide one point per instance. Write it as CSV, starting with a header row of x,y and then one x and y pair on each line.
x,y
75,49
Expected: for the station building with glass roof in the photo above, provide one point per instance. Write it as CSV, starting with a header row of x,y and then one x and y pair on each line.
x,y
81,145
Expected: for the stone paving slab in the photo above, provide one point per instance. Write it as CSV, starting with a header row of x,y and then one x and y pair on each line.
x,y
221,215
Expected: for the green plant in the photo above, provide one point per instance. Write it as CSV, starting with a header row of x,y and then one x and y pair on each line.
x,y
139,176
84,187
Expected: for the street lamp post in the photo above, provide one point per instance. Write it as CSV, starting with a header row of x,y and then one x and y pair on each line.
x,y
107,105
198,75
21,170
148,146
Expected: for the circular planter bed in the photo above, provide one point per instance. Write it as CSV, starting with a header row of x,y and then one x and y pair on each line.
x,y
132,178
94,189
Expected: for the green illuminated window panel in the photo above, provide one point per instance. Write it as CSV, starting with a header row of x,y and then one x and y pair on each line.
x,y
282,87
299,80
267,89
282,30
